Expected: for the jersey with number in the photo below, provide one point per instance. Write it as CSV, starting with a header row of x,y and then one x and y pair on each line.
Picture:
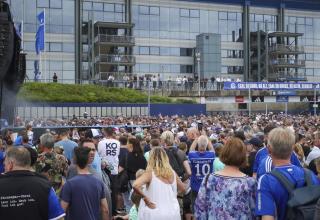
x,y
108,150
201,165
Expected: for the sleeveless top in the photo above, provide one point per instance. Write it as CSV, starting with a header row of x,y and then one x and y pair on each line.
x,y
164,196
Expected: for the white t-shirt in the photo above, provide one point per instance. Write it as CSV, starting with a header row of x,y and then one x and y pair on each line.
x,y
108,150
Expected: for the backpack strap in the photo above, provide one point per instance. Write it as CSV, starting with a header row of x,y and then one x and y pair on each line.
x,y
283,180
307,177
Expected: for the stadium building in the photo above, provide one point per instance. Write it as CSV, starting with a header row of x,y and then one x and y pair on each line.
x,y
274,40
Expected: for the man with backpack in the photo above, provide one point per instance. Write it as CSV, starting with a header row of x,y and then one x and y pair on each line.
x,y
289,191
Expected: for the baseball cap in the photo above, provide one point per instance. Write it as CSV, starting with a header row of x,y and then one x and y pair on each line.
x,y
255,142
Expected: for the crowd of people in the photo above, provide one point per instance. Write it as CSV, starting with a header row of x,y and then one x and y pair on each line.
x,y
163,168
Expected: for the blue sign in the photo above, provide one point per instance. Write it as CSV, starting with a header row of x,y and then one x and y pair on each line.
x,y
288,93
269,86
282,98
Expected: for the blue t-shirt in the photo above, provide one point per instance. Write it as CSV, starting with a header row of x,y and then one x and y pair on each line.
x,y
201,165
68,147
261,154
272,197
266,164
54,210
83,193
2,154
96,164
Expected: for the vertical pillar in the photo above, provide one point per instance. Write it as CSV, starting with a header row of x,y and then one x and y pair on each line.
x,y
259,52
246,40
78,37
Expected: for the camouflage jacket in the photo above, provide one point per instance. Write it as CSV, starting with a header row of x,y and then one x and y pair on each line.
x,y
54,166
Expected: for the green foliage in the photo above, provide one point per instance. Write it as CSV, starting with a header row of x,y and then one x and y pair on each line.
x,y
55,92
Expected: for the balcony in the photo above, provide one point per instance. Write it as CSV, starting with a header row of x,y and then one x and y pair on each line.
x,y
115,40
288,76
286,49
287,63
116,59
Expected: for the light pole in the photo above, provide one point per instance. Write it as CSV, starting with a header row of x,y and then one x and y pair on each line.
x,y
315,100
198,55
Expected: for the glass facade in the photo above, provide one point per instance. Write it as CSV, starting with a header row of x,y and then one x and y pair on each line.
x,y
59,15
172,28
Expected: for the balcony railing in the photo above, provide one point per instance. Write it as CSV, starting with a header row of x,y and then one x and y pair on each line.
x,y
287,62
286,48
114,39
288,76
116,59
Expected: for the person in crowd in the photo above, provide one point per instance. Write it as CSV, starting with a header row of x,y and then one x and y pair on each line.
x,y
25,141
109,149
160,197
253,145
135,160
67,144
32,194
2,155
83,196
298,150
153,143
315,151
229,193
201,162
272,195
177,158
217,164
51,165
30,134
123,157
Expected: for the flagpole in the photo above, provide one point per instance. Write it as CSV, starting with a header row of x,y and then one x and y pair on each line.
x,y
22,35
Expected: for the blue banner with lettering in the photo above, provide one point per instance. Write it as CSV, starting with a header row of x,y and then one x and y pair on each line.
x,y
269,86
282,98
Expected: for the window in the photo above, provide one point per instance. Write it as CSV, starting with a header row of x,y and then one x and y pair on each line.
x,y
186,69
119,8
97,6
164,51
194,13
55,47
232,16
144,51
43,3
143,10
184,12
68,47
87,5
186,52
154,10
175,51
223,15
108,7
154,51
55,4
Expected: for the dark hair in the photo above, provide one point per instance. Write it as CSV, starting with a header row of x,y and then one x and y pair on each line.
x,y
86,140
81,155
240,134
123,140
234,153
25,139
33,155
269,128
136,147
108,131
155,142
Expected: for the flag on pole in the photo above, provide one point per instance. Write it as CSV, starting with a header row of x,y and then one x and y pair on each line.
x,y
40,33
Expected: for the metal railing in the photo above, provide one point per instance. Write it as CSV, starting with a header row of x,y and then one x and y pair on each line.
x,y
286,48
116,39
287,61
116,59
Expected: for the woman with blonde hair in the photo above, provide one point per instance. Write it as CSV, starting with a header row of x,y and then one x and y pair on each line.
x,y
159,199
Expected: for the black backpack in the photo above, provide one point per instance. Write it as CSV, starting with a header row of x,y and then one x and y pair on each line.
x,y
302,201
174,161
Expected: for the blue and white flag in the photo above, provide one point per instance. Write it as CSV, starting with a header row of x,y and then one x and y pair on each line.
x,y
40,33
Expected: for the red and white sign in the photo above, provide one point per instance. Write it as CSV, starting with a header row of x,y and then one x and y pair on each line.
x,y
239,99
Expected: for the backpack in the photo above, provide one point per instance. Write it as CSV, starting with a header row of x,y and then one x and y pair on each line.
x,y
174,161
302,201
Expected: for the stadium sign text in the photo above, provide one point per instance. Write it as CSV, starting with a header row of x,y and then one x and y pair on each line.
x,y
269,86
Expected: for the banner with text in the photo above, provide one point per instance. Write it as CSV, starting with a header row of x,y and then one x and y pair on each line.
x,y
269,86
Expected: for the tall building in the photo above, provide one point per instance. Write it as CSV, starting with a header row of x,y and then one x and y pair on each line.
x,y
93,39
